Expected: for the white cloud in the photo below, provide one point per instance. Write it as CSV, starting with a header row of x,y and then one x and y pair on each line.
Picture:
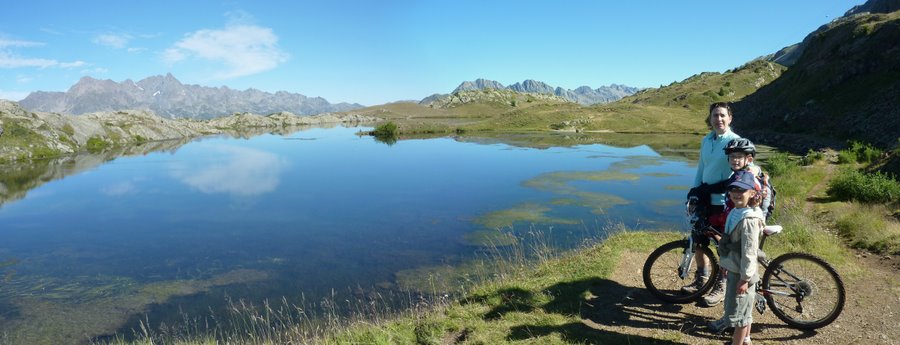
x,y
135,50
72,64
10,60
18,43
241,49
117,41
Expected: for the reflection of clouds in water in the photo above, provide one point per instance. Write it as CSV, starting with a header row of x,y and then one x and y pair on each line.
x,y
244,172
119,189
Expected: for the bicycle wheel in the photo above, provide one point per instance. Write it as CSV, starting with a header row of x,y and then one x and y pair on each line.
x,y
803,290
661,273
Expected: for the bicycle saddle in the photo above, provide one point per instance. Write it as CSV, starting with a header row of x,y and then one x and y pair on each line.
x,y
770,230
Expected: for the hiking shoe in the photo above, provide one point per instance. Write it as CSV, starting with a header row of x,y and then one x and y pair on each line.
x,y
716,326
693,287
715,296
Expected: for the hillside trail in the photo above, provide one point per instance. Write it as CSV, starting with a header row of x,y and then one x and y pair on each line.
x,y
869,317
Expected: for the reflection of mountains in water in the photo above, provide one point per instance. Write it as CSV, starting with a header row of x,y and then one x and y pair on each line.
x,y
673,145
19,178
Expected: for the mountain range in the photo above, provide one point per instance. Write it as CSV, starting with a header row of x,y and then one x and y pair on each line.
x,y
168,97
584,95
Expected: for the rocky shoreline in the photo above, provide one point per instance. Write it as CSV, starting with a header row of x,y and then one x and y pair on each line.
x,y
30,135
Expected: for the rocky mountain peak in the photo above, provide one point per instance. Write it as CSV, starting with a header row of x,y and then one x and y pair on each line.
x,y
479,84
168,97
584,95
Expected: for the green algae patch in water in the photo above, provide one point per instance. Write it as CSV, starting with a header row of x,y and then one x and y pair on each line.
x,y
564,201
48,313
490,238
528,212
558,181
667,202
598,202
660,174
441,279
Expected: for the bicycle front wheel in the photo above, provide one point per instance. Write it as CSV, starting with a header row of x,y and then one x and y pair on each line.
x,y
661,273
803,290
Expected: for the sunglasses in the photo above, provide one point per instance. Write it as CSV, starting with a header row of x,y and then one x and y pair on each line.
x,y
736,190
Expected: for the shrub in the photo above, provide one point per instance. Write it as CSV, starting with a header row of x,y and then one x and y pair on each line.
x,y
388,129
96,144
812,157
859,152
42,152
868,154
845,157
780,164
14,129
852,184
67,128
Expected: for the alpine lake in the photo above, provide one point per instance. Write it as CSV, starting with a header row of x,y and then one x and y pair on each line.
x,y
94,244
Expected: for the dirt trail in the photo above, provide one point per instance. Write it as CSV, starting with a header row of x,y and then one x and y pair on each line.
x,y
870,315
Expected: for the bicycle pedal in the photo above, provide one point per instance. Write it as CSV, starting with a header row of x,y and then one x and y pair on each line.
x,y
760,304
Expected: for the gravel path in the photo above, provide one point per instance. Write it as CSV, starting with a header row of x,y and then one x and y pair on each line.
x,y
870,315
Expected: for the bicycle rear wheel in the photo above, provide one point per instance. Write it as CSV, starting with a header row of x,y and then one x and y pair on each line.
x,y
803,290
661,276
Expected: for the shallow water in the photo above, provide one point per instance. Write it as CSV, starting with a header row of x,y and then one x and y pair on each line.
x,y
311,211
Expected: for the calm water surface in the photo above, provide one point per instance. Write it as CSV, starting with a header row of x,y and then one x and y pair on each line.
x,y
274,216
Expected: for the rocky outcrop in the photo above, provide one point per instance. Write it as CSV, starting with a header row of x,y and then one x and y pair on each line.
x,y
168,97
584,95
30,135
495,96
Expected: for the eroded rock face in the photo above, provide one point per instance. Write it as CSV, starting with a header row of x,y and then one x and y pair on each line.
x,y
30,135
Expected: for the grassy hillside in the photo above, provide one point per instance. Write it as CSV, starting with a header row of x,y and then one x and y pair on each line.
x,y
677,108
844,86
699,91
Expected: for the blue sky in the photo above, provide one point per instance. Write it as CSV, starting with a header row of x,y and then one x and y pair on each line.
x,y
374,52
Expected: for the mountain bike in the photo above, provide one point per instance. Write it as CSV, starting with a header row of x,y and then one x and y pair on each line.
x,y
802,290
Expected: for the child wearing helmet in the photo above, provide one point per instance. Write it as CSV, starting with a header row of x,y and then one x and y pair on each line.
x,y
740,154
739,250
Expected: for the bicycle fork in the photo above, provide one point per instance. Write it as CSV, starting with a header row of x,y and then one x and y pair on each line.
x,y
687,259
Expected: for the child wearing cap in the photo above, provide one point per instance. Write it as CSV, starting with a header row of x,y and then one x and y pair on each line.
x,y
740,153
738,250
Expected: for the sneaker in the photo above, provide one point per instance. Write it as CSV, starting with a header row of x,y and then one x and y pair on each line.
x,y
746,341
715,296
693,287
